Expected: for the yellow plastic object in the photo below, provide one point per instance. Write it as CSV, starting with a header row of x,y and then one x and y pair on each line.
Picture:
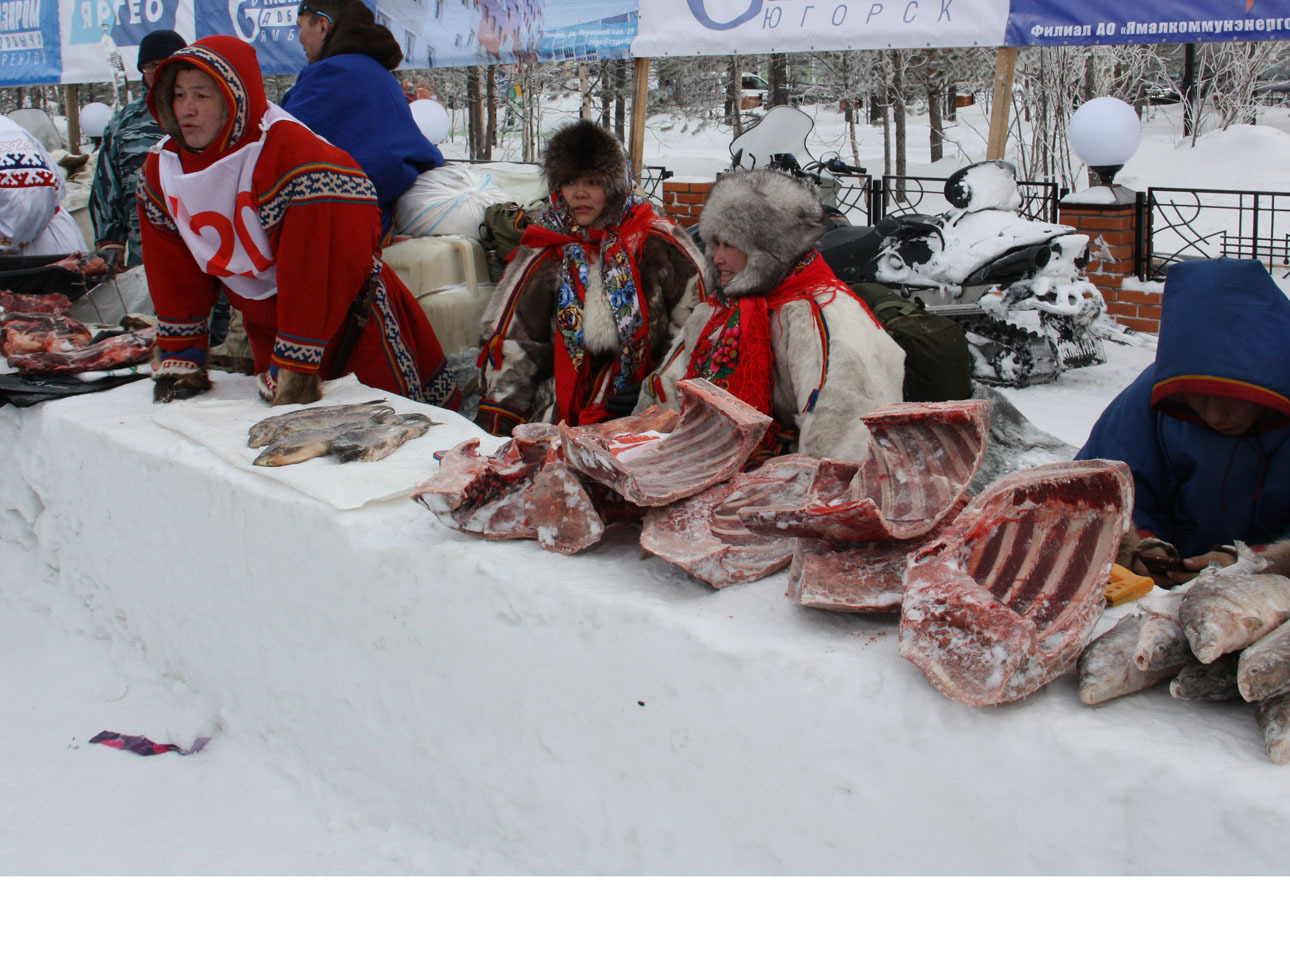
x,y
1125,585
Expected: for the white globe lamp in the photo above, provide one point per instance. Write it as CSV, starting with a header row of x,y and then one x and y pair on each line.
x,y
1104,133
94,119
432,118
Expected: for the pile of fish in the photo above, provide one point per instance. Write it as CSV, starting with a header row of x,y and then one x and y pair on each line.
x,y
1226,637
365,432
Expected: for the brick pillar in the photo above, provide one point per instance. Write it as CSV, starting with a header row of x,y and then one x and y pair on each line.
x,y
1111,229
683,201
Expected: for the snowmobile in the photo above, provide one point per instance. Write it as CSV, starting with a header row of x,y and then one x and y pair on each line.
x,y
1016,284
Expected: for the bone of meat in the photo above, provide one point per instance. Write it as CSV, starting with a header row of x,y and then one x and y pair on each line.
x,y
124,350
52,333
1207,682
1224,612
561,512
1106,667
922,456
1264,666
859,578
323,416
485,494
1003,601
34,303
716,434
1274,719
1162,644
705,536
371,443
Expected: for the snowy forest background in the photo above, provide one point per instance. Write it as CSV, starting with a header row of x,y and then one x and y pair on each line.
x,y
499,109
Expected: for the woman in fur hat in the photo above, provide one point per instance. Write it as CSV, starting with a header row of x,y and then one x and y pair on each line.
x,y
348,96
592,298
779,330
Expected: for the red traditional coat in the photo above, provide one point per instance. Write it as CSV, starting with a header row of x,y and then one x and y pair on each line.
x,y
322,225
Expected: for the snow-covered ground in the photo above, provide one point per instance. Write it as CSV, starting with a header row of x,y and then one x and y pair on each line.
x,y
386,696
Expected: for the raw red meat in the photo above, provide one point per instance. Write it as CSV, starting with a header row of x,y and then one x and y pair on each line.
x,y
484,494
922,457
560,510
716,434
82,264
860,578
30,333
705,537
127,349
1004,600
37,303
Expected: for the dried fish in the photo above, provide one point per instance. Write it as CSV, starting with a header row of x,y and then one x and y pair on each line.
x,y
1274,718
1264,668
271,429
301,446
1106,668
371,443
1161,643
1207,682
1224,612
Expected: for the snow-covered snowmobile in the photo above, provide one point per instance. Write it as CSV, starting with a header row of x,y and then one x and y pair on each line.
x,y
1016,284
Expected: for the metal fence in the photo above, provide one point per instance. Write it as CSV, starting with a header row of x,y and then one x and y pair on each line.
x,y
903,195
1176,224
652,179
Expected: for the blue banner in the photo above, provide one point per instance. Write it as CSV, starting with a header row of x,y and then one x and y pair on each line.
x,y
31,51
1091,22
268,25
52,41
127,20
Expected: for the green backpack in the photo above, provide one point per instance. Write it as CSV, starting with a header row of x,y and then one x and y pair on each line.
x,y
938,363
504,224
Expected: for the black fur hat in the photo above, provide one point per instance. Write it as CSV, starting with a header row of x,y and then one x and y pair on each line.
x,y
584,148
772,217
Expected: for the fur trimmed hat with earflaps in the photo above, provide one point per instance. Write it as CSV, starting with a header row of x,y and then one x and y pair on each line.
x,y
584,148
773,218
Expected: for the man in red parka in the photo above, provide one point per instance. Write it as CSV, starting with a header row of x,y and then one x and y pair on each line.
x,y
241,197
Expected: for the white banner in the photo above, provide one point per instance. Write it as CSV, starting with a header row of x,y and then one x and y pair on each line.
x,y
669,28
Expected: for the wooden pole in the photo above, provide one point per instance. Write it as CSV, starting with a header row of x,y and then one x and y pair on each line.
x,y
72,109
640,94
1000,105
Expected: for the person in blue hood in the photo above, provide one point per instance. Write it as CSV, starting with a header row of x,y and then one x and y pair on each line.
x,y
348,95
1206,428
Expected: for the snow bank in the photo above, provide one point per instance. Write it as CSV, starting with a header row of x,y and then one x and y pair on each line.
x,y
449,705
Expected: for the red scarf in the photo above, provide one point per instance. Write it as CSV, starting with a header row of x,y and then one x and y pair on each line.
x,y
618,246
734,350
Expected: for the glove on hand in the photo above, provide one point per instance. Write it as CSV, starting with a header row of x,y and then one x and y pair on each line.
x,y
113,254
281,387
622,403
175,386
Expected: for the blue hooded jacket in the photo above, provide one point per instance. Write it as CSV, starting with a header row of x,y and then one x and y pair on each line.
x,y
1225,331
356,104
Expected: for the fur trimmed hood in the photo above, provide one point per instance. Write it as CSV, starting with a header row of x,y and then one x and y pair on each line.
x,y
355,31
773,218
584,148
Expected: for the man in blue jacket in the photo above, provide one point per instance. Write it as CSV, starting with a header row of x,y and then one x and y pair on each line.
x,y
348,95
1205,428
